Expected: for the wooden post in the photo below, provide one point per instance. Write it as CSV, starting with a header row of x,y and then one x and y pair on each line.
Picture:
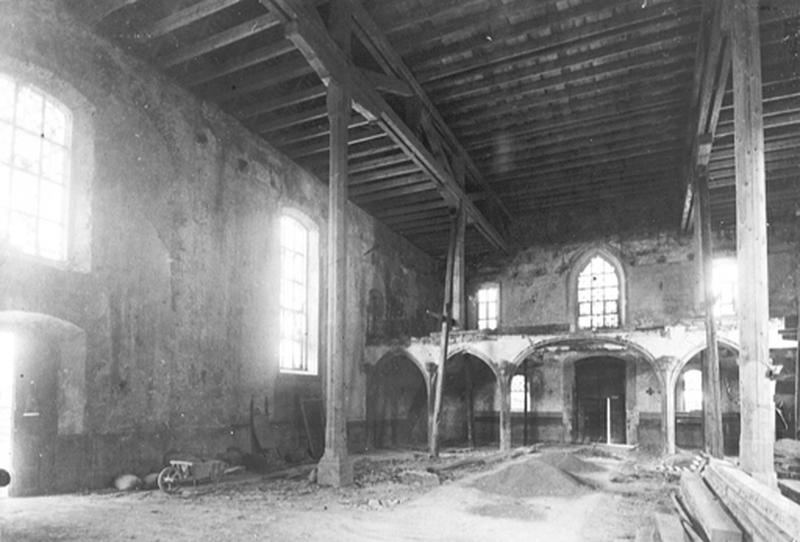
x,y
447,315
504,388
525,410
459,266
712,401
468,382
797,378
756,390
335,468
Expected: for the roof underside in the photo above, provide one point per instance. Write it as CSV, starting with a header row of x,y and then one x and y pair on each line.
x,y
565,108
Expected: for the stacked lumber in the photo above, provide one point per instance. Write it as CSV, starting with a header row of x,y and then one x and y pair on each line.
x,y
787,458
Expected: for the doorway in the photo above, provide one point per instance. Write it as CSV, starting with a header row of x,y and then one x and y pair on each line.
x,y
6,401
600,400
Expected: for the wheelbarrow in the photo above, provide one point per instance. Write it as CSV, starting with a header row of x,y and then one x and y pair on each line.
x,y
180,472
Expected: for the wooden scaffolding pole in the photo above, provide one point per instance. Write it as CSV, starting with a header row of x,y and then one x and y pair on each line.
x,y
756,390
712,406
447,314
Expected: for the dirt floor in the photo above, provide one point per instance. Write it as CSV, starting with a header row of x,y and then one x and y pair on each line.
x,y
553,494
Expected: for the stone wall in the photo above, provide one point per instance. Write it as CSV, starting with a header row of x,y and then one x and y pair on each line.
x,y
175,285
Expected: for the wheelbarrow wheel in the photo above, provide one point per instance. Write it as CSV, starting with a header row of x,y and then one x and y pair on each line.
x,y
169,479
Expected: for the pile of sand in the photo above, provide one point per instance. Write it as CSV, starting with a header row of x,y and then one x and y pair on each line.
x,y
532,478
569,462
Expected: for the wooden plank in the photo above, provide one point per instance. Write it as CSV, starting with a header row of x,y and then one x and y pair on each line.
x,y
186,16
219,40
669,528
756,390
239,62
288,100
325,57
763,512
707,510
234,87
281,123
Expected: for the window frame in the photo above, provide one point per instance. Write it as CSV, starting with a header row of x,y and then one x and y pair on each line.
x,y
484,287
580,264
310,347
49,103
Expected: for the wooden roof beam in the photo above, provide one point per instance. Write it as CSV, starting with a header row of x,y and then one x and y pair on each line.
x,y
372,37
712,70
327,59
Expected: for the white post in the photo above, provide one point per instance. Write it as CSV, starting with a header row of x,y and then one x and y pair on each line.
x,y
608,420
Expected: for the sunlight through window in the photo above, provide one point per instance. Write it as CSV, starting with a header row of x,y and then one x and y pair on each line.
x,y
34,170
692,390
298,297
598,295
724,279
488,306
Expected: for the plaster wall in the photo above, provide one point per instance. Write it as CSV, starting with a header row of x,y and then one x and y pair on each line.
x,y
177,292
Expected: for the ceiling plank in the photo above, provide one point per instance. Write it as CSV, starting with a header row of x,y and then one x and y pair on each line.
x,y
219,40
185,17
239,62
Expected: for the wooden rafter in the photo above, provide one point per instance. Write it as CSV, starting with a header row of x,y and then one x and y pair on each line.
x,y
371,35
712,70
303,28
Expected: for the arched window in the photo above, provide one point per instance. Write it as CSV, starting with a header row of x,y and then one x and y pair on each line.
x,y
598,295
35,156
299,297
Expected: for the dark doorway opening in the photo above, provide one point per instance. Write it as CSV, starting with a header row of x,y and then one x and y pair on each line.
x,y
470,412
600,400
397,404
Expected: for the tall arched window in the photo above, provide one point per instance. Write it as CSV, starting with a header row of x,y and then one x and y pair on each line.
x,y
299,297
35,147
598,295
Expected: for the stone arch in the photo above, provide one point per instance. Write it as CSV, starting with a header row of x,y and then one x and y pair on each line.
x,y
577,265
672,381
472,351
653,425
692,352
50,362
399,351
397,401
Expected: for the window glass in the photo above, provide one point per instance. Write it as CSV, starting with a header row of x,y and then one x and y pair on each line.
x,y
518,393
598,295
488,306
298,297
34,170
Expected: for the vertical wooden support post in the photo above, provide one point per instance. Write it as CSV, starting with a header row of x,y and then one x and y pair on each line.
x,y
459,266
504,389
712,401
756,390
335,468
469,384
797,378
526,407
447,315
